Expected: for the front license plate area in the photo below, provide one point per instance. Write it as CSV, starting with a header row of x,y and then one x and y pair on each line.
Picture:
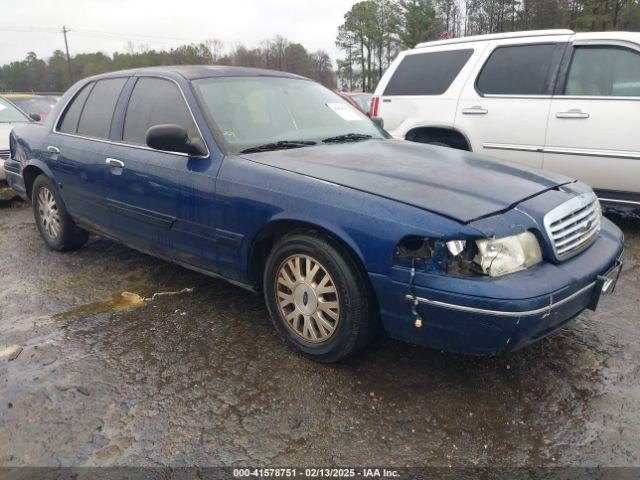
x,y
605,284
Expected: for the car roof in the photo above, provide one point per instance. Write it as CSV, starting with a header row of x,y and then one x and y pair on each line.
x,y
193,72
496,36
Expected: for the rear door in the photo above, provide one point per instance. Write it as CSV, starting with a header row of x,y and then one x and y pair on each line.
x,y
593,125
504,108
161,201
76,149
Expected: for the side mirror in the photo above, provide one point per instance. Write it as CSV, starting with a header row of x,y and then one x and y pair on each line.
x,y
174,138
378,122
35,117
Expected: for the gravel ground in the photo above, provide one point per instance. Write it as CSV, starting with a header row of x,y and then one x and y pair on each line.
x,y
88,377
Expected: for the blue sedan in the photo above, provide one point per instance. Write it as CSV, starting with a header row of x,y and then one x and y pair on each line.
x,y
278,185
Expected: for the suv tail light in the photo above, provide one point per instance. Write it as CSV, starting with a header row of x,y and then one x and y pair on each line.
x,y
375,104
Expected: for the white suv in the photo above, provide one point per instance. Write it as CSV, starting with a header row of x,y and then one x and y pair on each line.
x,y
553,99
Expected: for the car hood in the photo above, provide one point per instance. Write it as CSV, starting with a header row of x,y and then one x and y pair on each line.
x,y
457,184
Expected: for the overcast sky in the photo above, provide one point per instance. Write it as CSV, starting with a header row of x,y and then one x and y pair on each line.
x,y
107,25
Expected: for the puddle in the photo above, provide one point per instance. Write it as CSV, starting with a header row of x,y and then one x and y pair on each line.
x,y
118,302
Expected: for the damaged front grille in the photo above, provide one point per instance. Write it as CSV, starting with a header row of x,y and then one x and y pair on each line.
x,y
5,153
574,225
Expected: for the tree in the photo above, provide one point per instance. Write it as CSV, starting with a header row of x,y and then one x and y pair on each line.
x,y
419,22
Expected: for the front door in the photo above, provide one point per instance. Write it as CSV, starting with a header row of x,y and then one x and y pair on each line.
x,y
592,133
161,202
504,109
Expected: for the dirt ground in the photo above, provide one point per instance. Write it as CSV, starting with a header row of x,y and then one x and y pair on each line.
x,y
88,377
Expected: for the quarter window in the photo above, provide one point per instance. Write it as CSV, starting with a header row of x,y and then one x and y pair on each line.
x,y
155,101
69,122
604,71
427,73
517,70
95,119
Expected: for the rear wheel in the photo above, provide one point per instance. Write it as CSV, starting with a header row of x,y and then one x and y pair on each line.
x,y
55,225
317,298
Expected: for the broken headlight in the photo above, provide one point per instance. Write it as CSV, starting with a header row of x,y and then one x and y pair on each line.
x,y
488,256
500,256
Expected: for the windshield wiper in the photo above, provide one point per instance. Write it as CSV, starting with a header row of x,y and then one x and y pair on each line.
x,y
347,137
282,144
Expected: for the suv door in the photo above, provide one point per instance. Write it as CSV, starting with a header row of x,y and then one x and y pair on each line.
x,y
161,201
504,109
592,133
76,149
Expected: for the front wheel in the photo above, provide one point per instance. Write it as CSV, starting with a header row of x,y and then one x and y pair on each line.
x,y
317,297
55,225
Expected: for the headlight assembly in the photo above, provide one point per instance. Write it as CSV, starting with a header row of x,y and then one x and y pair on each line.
x,y
501,256
488,256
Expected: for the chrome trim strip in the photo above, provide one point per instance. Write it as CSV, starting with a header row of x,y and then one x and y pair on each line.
x,y
507,146
629,155
526,313
124,144
595,97
615,200
594,153
503,95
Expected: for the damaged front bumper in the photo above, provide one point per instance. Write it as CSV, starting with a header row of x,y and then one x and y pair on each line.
x,y
488,316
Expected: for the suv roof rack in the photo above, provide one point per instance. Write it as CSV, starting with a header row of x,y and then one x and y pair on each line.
x,y
497,36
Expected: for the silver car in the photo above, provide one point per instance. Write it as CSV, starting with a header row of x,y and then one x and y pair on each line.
x,y
9,117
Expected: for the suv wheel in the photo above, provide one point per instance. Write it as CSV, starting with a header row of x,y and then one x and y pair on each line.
x,y
55,225
317,298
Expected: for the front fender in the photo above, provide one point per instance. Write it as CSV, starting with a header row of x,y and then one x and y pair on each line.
x,y
321,223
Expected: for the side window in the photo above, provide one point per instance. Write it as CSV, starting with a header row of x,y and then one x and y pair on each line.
x,y
155,101
69,122
427,73
95,119
517,70
604,71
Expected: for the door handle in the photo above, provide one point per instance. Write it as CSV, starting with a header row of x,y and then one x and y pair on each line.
x,y
573,113
54,150
114,162
475,110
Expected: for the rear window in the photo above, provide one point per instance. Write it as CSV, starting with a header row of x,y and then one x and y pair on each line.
x,y
95,119
427,73
517,70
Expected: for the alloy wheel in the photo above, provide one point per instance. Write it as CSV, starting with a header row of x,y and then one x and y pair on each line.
x,y
48,213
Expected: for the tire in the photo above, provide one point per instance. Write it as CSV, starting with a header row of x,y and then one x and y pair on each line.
x,y
56,227
343,301
440,144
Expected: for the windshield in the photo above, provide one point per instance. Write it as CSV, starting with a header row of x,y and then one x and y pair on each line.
x,y
10,114
40,105
254,111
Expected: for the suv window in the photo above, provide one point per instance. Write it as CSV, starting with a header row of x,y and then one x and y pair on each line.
x,y
517,70
155,101
69,122
427,73
604,71
95,119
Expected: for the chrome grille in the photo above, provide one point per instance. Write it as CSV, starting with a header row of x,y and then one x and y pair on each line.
x,y
5,153
574,225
